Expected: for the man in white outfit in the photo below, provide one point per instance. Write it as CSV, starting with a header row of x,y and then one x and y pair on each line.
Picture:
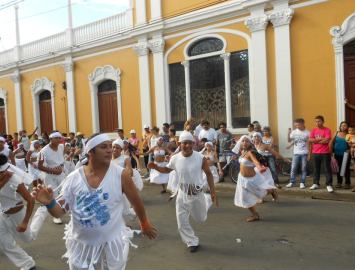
x,y
51,162
15,215
191,200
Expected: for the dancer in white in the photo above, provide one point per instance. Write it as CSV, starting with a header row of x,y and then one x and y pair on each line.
x,y
96,237
51,162
69,165
15,215
20,157
211,156
254,179
32,161
160,152
190,200
5,150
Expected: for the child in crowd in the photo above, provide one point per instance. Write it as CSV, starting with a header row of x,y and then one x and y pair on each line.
x,y
350,138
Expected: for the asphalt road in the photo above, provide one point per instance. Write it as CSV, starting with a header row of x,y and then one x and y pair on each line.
x,y
295,233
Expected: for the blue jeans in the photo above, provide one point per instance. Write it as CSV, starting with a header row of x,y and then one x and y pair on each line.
x,y
296,160
272,167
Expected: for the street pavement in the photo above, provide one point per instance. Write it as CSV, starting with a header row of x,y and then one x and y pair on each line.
x,y
294,233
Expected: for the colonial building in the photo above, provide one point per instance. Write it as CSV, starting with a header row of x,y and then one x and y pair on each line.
x,y
165,61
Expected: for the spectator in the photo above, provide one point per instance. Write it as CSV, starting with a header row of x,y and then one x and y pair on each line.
x,y
224,140
165,133
300,140
207,132
134,141
320,137
339,146
120,133
267,137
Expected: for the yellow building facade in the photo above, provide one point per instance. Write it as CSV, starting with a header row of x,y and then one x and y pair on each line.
x,y
165,61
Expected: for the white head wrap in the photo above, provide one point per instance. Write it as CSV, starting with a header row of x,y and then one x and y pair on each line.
x,y
186,136
236,148
118,142
208,143
96,141
55,135
32,147
2,139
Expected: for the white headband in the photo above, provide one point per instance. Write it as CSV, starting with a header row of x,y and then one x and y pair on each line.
x,y
32,147
118,142
209,143
96,141
236,148
186,136
55,135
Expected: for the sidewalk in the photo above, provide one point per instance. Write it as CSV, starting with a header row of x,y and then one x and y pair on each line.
x,y
321,194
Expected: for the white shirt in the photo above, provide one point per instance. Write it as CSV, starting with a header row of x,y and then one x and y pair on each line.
x,y
26,143
300,139
188,169
9,197
209,134
198,130
52,159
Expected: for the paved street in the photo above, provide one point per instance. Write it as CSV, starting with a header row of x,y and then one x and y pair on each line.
x,y
296,233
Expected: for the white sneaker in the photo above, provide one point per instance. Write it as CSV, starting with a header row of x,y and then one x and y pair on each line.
x,y
330,189
57,221
302,186
314,186
290,185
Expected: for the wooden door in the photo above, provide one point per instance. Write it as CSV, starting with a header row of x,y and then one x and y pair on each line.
x,y
45,111
349,71
108,113
2,117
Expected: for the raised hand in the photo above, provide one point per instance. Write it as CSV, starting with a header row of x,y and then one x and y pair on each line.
x,y
43,194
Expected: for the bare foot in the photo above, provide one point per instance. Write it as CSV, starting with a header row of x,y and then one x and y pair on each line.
x,y
274,195
253,218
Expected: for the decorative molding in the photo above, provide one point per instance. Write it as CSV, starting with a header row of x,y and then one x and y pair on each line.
x,y
257,23
141,48
68,66
38,86
282,17
16,76
156,45
99,75
341,36
185,63
226,56
201,37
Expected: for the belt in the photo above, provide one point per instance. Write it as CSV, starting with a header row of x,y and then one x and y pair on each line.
x,y
14,210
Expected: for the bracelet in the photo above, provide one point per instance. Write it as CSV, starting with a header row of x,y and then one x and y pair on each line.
x,y
52,204
145,225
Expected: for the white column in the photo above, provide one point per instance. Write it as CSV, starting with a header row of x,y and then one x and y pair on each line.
x,y
281,20
157,45
53,110
259,104
186,65
16,78
337,41
94,105
141,13
141,48
36,114
156,11
227,83
69,79
69,31
17,46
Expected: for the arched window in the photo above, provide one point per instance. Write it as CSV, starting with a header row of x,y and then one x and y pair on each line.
x,y
204,46
107,86
45,95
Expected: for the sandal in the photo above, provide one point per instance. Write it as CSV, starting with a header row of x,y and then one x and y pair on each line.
x,y
253,218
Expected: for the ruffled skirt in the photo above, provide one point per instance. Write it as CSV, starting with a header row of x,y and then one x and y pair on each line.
x,y
157,177
35,173
251,190
215,174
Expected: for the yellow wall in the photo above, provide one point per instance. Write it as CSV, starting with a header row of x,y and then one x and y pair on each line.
x,y
173,8
127,61
8,85
313,66
55,74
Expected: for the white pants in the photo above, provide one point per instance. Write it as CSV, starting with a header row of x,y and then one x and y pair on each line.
x,y
54,181
102,264
194,205
21,164
8,245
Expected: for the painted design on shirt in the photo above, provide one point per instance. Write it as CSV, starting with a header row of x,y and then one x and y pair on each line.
x,y
93,212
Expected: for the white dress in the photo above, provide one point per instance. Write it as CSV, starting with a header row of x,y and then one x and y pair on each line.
x,y
33,170
158,177
137,179
213,170
96,224
251,190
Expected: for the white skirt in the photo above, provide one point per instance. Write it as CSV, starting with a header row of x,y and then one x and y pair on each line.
x,y
137,179
251,190
35,173
215,174
157,177
173,184
21,164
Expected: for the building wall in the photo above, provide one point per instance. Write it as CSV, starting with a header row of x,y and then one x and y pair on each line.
x,y
8,85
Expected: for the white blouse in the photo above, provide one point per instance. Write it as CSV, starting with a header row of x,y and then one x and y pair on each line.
x,y
9,198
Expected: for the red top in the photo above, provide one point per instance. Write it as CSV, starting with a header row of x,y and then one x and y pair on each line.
x,y
320,148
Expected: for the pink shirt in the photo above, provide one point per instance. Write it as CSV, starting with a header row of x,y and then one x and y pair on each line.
x,y
319,148
134,141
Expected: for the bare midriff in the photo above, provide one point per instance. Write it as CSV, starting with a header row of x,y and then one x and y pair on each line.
x,y
247,171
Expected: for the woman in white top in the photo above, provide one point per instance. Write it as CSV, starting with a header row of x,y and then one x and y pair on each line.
x,y
32,161
211,156
20,157
253,179
15,215
160,152
5,150
69,165
97,237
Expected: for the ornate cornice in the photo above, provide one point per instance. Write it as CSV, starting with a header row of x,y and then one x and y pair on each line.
x,y
68,66
282,17
16,76
141,48
226,56
156,45
107,72
42,84
257,23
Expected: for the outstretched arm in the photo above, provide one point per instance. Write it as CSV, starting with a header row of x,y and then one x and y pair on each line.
x,y
132,195
154,166
21,189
